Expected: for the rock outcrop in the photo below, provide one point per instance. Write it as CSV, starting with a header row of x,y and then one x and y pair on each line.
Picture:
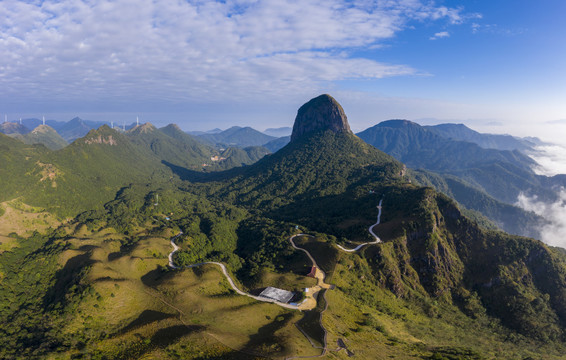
x,y
319,114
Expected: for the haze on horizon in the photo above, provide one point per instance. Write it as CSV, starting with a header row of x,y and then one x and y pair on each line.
x,y
497,67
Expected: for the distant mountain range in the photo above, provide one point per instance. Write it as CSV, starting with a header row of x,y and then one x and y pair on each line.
x,y
484,172
486,141
279,132
236,136
481,178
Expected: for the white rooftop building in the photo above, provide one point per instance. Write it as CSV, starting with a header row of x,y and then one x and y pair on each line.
x,y
277,294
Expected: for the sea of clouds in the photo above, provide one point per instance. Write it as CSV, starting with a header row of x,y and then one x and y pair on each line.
x,y
553,232
551,161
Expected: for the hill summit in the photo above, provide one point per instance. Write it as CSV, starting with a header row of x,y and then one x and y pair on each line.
x,y
319,114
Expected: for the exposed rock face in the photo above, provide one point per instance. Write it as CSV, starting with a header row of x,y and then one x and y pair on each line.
x,y
142,129
109,140
319,114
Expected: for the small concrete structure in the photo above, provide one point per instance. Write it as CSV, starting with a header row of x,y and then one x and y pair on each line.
x,y
276,294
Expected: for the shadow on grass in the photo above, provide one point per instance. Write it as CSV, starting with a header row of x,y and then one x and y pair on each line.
x,y
146,317
266,342
311,323
68,278
156,276
161,339
169,335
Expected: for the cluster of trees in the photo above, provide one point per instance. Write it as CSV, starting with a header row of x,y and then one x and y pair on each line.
x,y
30,320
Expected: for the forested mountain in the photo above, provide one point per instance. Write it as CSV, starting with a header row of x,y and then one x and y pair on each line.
x,y
74,129
436,286
18,162
468,171
172,145
43,134
419,147
275,145
90,171
506,217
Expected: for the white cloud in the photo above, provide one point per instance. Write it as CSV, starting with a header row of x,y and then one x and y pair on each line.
x,y
177,51
551,159
554,231
440,35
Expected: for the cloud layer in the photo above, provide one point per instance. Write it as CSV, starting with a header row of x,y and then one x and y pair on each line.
x,y
553,231
177,51
551,159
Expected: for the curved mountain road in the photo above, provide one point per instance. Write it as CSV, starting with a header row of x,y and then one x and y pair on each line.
x,y
310,302
227,275
370,229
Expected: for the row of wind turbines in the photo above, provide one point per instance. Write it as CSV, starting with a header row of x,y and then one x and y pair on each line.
x,y
111,122
124,123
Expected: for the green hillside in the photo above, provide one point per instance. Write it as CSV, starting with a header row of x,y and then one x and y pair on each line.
x,y
506,217
178,149
43,134
81,176
172,145
18,162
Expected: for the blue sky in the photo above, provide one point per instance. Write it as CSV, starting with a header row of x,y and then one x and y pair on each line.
x,y
497,66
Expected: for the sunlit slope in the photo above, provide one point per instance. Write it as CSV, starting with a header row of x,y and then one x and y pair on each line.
x,y
81,176
170,144
321,164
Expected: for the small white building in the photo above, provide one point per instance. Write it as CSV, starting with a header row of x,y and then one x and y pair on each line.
x,y
276,294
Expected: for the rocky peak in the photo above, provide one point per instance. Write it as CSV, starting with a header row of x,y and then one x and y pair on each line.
x,y
319,114
174,127
142,129
102,135
42,129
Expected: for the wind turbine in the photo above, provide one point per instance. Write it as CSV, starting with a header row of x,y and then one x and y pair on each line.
x,y
20,121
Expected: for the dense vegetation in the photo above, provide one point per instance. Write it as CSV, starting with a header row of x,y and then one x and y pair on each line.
x,y
45,135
